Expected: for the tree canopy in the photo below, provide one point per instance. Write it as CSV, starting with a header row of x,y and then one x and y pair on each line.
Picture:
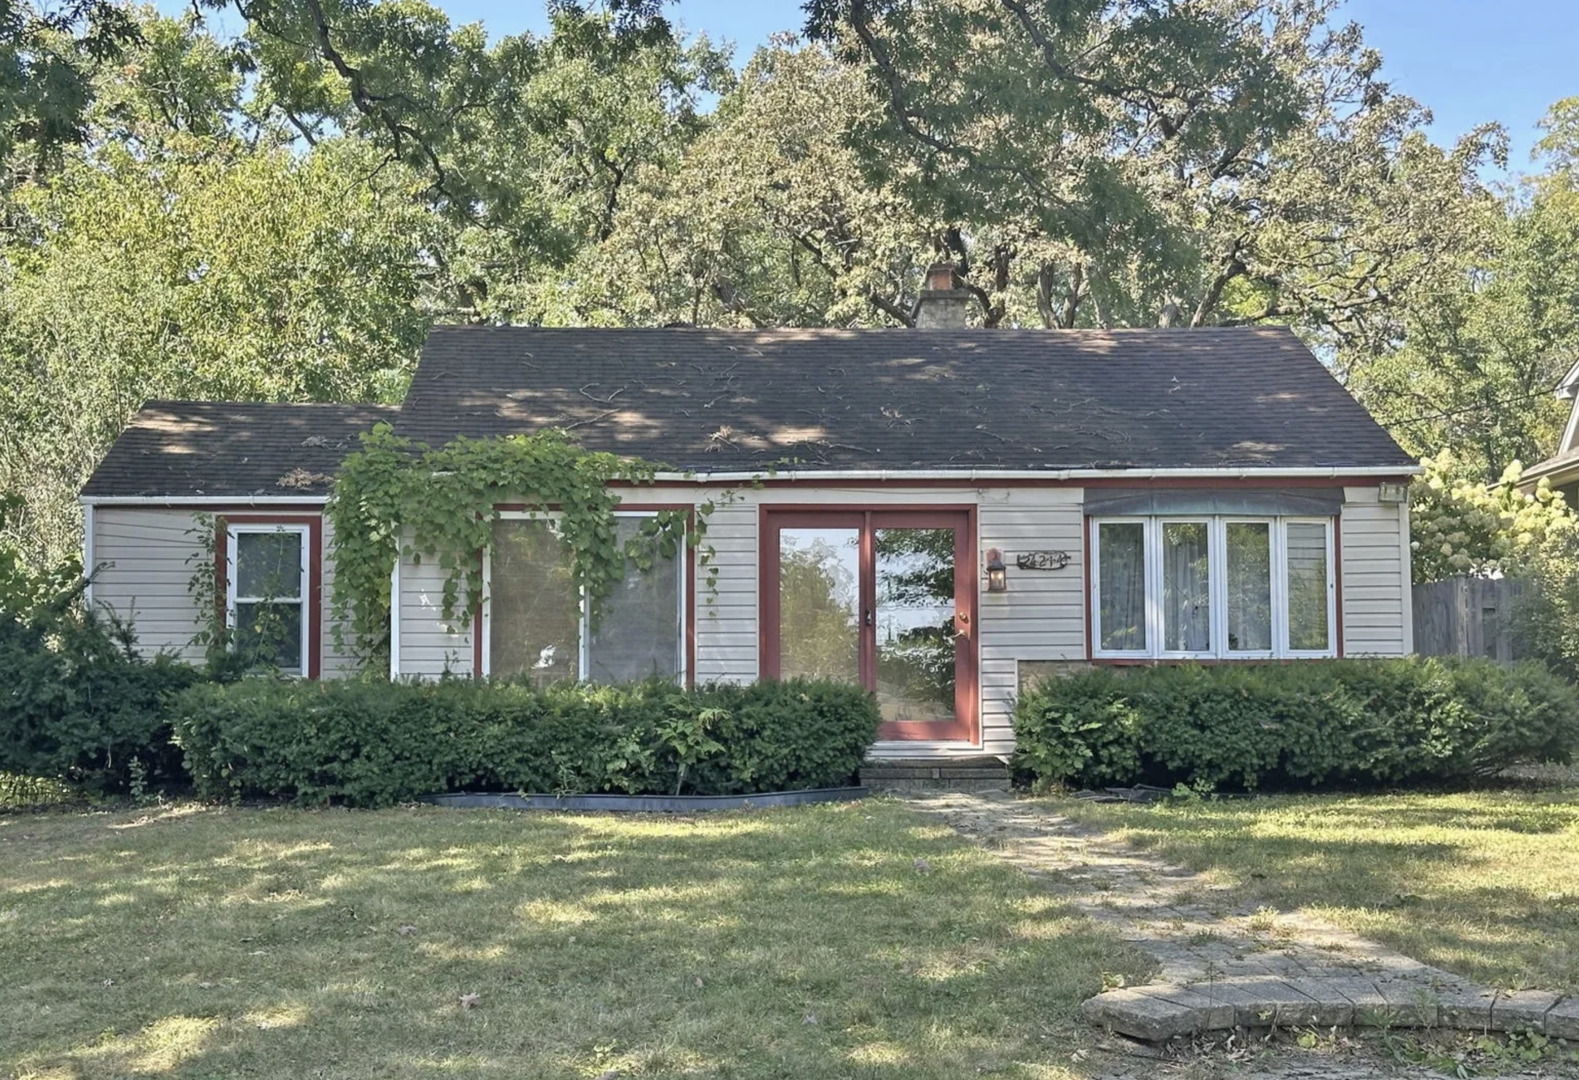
x,y
281,212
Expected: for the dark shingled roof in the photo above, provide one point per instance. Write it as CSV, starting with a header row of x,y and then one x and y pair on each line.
x,y
187,448
726,400
721,400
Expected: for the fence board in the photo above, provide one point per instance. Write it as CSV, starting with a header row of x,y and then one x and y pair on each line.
x,y
1467,616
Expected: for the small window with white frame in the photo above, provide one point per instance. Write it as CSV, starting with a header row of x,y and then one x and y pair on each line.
x,y
1212,587
536,627
266,590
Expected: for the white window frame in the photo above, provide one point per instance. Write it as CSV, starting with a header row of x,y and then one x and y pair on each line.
x,y
1156,587
583,633
1220,565
1332,589
303,535
1217,540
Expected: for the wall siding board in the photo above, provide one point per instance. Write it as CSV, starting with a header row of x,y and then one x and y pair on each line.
x,y
144,559
430,645
1375,575
149,555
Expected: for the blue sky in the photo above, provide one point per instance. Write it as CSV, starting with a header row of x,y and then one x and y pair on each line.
x,y
1469,61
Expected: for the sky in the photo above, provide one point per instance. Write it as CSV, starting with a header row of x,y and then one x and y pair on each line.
x,y
1469,61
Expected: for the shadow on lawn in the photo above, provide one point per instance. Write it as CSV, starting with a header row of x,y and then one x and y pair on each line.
x,y
1485,886
842,941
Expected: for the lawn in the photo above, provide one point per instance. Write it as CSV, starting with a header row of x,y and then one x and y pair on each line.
x,y
857,940
1483,884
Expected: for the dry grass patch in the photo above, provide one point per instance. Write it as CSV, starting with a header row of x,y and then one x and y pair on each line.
x,y
1485,884
837,941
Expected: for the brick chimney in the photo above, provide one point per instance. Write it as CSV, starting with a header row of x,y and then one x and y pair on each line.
x,y
942,304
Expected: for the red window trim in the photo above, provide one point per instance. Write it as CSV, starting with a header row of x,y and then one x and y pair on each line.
x,y
314,523
966,731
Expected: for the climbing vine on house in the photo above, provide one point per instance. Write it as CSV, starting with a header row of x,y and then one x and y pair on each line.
x,y
440,503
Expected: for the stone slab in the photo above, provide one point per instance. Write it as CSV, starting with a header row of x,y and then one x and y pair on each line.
x,y
1330,1007
1264,1001
1522,1010
1466,1010
1409,1004
1212,1012
1562,1019
1142,1015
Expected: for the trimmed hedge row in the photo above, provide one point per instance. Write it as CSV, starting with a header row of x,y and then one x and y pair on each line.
x,y
1334,722
368,743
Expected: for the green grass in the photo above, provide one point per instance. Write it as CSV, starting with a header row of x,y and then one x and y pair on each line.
x,y
202,942
1483,884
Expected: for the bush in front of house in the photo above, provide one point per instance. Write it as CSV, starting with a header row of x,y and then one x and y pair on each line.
x,y
1286,726
365,743
78,704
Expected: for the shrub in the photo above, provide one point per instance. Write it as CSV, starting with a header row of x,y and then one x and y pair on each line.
x,y
80,705
370,743
1349,722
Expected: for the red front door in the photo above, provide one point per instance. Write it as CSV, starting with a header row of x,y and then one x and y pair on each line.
x,y
885,599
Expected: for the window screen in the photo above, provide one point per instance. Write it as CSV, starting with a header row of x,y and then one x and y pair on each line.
x,y
267,602
534,613
1122,588
536,624
1307,587
638,635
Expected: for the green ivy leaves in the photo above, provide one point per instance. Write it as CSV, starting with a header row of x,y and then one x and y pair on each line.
x,y
395,497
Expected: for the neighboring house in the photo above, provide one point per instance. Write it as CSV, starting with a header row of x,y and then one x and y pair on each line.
x,y
1562,468
1150,495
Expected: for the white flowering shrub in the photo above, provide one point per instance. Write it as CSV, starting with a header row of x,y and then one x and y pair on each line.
x,y
1462,525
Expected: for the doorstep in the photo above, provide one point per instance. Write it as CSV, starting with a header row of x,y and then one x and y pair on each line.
x,y
975,772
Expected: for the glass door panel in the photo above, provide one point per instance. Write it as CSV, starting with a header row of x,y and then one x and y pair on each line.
x,y
819,604
879,598
915,625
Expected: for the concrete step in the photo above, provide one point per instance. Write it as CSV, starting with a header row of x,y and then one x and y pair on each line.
x,y
978,773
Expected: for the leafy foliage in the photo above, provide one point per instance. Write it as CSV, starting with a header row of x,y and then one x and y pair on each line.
x,y
1461,525
281,213
393,497
1204,163
373,744
1481,351
81,705
1349,722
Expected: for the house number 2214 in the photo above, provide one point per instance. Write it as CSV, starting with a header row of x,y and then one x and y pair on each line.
x,y
1042,560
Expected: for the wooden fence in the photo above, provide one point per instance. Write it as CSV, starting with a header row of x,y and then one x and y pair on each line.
x,y
1467,616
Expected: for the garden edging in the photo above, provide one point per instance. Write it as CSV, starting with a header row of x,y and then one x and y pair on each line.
x,y
645,804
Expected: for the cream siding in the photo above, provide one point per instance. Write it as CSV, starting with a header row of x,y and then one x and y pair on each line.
x,y
1042,616
337,661
148,557
430,645
1374,575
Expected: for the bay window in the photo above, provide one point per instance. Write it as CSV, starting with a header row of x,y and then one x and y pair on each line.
x,y
1212,587
535,624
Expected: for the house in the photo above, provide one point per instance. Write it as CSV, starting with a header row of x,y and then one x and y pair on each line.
x,y
1561,470
939,514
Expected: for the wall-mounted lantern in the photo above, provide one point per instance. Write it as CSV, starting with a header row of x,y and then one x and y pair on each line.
x,y
997,573
1392,491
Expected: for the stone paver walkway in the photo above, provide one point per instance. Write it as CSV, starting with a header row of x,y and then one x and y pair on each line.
x,y
1222,967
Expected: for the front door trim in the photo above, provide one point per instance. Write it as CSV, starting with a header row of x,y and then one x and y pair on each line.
x,y
772,517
